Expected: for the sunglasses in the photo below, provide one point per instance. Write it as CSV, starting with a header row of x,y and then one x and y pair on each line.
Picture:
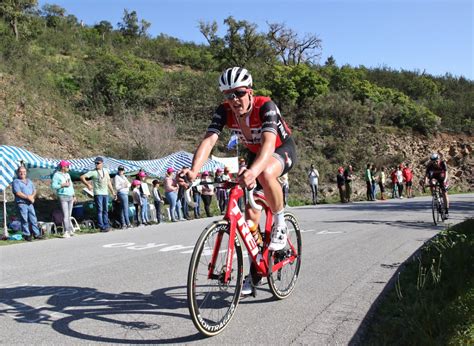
x,y
236,94
98,163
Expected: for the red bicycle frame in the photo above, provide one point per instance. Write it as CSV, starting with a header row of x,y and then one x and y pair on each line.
x,y
238,223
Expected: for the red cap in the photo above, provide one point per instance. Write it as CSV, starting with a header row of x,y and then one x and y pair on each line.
x,y
141,174
205,173
170,170
136,182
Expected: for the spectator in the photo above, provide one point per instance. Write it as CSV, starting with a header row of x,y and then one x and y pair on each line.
x,y
137,200
25,194
207,193
408,176
157,199
122,186
183,204
400,181
221,191
64,189
171,193
313,176
373,174
381,179
394,179
368,182
145,193
242,166
348,178
285,186
197,201
101,184
341,184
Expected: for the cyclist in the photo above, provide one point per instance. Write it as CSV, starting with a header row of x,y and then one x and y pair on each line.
x,y
261,128
437,169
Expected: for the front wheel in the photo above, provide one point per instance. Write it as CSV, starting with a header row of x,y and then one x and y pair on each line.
x,y
212,301
435,210
284,265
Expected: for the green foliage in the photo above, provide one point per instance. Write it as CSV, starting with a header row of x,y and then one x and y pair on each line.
x,y
126,80
296,84
434,295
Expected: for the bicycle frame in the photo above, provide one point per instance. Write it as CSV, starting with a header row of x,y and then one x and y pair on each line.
x,y
238,224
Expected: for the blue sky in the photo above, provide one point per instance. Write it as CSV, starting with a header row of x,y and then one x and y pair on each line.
x,y
424,35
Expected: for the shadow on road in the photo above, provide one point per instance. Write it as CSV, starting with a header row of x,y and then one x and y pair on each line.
x,y
128,317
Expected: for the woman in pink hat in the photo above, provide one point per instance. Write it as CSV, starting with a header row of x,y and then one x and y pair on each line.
x,y
63,187
207,192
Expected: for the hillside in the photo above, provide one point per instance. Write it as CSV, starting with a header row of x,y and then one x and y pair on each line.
x,y
68,90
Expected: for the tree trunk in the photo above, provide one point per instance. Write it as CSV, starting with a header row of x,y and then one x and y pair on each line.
x,y
14,25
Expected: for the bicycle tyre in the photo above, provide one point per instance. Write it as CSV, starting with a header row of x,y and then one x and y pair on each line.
x,y
283,281
441,208
212,303
435,210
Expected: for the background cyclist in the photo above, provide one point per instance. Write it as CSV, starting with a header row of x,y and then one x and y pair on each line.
x,y
438,169
261,128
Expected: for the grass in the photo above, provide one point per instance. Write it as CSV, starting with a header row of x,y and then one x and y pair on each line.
x,y
432,302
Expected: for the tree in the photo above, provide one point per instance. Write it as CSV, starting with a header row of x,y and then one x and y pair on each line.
x,y
14,11
53,14
130,27
292,49
241,44
103,27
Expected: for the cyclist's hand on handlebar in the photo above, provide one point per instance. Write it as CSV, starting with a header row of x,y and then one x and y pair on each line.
x,y
185,176
188,173
247,178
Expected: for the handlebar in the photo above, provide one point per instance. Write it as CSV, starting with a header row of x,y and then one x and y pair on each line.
x,y
248,193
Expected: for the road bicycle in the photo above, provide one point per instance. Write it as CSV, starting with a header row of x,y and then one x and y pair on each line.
x,y
437,204
215,275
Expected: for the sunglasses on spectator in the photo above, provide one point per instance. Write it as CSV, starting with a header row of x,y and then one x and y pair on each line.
x,y
236,94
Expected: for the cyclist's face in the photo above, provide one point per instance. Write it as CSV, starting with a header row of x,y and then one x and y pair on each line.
x,y
239,100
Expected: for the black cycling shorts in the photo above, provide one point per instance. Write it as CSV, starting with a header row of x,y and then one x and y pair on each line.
x,y
285,153
440,179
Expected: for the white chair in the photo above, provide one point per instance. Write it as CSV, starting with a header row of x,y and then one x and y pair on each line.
x,y
75,225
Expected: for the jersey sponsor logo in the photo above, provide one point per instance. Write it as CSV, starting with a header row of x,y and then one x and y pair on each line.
x,y
282,129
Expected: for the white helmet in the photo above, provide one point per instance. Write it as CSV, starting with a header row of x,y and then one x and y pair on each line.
x,y
434,157
235,77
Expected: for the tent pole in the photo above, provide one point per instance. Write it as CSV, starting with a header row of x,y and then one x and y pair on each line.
x,y
5,229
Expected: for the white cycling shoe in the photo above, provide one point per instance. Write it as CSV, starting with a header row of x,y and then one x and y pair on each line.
x,y
279,238
247,287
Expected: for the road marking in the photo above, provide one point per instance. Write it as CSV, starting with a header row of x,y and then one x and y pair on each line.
x,y
324,231
329,232
186,249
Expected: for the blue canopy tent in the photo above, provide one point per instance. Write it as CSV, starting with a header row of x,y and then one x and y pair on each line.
x,y
11,158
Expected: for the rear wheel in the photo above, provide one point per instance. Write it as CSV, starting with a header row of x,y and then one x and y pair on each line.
x,y
282,280
211,301
442,211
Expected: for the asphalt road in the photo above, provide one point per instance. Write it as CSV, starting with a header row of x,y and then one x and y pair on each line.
x,y
129,286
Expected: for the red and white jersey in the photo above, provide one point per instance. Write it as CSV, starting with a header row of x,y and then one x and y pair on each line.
x,y
264,117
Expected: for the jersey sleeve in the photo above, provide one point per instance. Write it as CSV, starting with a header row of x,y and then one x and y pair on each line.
x,y
218,120
270,115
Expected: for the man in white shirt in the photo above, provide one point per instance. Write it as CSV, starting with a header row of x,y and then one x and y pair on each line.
x,y
313,176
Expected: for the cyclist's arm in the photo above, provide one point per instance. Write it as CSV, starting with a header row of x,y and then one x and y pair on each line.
x,y
202,153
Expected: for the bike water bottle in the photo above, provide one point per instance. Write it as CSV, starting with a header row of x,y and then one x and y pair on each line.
x,y
253,227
